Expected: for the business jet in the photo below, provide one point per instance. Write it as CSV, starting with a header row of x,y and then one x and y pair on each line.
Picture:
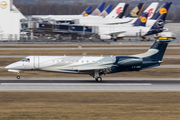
x,y
94,66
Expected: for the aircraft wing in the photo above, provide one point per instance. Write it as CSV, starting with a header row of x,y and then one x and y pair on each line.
x,y
116,33
105,70
122,22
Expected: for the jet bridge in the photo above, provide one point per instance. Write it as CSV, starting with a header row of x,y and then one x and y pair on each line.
x,y
56,27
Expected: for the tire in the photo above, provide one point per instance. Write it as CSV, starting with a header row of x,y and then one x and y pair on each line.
x,y
99,79
18,77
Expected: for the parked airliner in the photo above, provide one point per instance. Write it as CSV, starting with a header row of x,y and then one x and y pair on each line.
x,y
93,66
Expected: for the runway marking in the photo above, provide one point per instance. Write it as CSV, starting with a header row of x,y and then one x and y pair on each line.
x,y
74,84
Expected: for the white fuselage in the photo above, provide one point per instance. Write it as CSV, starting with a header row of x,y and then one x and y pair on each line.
x,y
68,64
107,31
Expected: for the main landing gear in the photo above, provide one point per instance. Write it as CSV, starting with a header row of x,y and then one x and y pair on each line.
x,y
98,79
97,76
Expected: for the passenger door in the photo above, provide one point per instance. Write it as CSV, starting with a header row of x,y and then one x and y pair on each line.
x,y
36,62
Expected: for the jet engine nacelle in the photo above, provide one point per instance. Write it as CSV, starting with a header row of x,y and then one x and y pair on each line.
x,y
130,62
105,37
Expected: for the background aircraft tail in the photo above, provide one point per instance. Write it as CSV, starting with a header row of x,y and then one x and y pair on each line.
x,y
136,11
158,26
87,11
106,11
151,9
98,10
117,10
162,10
123,12
141,21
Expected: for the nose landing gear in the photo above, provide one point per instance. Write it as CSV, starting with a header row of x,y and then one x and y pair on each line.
x,y
18,76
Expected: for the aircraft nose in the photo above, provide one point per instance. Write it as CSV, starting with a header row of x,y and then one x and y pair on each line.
x,y
8,67
11,66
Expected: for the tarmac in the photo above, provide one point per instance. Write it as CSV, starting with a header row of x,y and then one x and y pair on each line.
x,y
90,85
107,48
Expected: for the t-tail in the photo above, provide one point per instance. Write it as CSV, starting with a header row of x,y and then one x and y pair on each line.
x,y
98,10
162,10
142,20
87,11
160,47
136,11
106,11
153,57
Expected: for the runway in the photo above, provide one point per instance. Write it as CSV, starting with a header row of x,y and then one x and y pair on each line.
x,y
22,56
90,85
94,48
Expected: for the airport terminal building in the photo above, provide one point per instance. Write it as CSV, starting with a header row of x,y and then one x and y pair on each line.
x,y
10,21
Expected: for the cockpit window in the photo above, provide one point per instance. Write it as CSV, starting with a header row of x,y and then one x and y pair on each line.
x,y
25,60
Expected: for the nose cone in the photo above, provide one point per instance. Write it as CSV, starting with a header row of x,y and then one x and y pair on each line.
x,y
11,66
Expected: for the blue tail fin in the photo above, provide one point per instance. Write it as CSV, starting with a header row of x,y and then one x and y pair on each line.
x,y
162,10
87,10
158,25
99,9
136,11
106,11
141,21
160,46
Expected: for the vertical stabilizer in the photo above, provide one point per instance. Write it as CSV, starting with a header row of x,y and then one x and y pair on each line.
x,y
141,21
116,11
106,11
162,10
98,10
160,46
136,11
151,9
121,15
87,11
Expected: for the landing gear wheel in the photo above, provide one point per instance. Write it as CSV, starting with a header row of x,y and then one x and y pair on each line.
x,y
99,79
18,77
